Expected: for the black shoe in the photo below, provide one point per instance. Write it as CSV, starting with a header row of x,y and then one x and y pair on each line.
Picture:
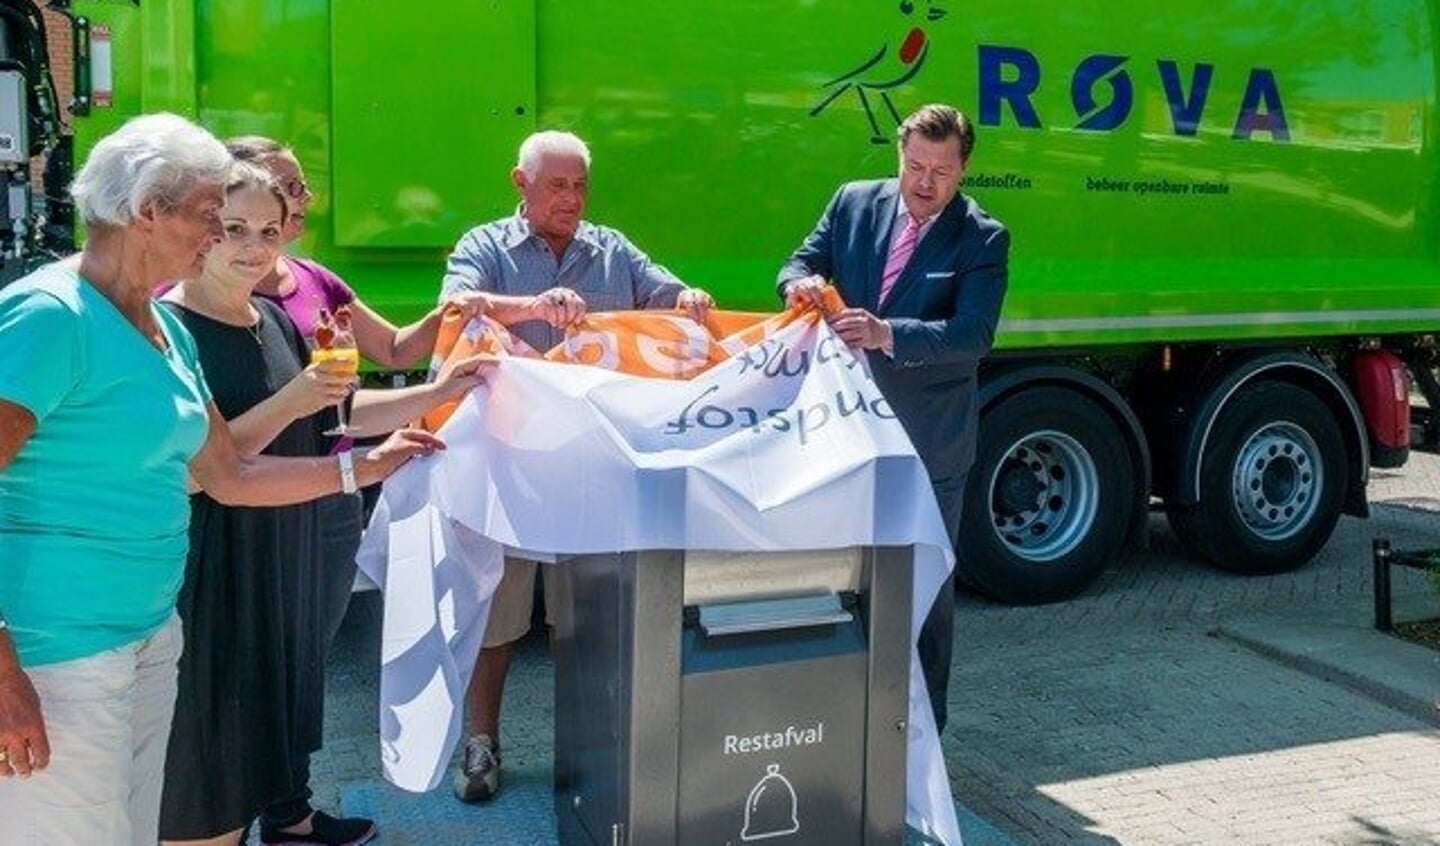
x,y
325,830
479,775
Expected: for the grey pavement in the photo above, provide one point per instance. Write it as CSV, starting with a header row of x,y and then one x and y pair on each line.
x,y
1172,703
1177,704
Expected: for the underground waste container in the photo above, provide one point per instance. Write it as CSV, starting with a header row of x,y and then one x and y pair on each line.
x,y
729,698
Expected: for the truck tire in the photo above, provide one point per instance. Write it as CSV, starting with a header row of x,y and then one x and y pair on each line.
x,y
1049,499
1272,482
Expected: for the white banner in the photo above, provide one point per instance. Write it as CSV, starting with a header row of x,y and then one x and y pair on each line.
x,y
788,445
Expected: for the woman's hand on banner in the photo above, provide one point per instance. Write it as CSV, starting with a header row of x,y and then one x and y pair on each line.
x,y
376,464
470,304
457,378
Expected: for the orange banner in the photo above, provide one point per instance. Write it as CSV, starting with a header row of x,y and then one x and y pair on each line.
x,y
651,344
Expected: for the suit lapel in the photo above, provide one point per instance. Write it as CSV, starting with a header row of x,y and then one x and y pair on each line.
x,y
885,204
945,231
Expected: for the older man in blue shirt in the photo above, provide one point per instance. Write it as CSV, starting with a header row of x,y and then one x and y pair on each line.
x,y
542,269
546,265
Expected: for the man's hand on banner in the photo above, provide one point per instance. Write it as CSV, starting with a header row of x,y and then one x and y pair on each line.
x,y
558,306
861,330
457,378
696,303
809,291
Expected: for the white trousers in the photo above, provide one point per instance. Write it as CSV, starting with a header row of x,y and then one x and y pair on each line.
x,y
108,720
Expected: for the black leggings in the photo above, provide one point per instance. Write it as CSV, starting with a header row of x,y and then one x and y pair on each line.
x,y
340,519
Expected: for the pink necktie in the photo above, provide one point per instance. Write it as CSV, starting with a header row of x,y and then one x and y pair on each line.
x,y
900,251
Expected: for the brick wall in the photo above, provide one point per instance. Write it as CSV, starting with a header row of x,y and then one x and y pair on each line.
x,y
62,70
62,64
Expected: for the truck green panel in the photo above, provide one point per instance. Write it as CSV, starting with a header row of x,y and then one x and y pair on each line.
x,y
720,129
433,185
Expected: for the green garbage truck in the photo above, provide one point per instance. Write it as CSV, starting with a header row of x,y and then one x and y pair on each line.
x,y
1226,255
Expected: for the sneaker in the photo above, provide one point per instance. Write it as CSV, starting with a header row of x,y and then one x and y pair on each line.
x,y
479,775
325,830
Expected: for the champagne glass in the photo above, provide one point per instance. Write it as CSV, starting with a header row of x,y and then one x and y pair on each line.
x,y
335,341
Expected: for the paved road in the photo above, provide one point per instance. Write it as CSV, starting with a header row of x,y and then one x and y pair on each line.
x,y
1133,714
1128,716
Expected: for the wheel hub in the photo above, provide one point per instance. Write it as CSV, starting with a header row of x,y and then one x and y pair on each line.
x,y
1277,479
1044,495
1019,489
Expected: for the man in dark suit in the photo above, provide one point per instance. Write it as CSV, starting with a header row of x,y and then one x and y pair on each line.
x,y
923,270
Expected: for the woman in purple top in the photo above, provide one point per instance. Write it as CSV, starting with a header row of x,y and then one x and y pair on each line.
x,y
304,288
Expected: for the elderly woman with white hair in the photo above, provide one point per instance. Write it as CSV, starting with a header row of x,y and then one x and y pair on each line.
x,y
104,416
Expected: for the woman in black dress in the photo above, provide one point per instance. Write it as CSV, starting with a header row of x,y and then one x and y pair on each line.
x,y
250,700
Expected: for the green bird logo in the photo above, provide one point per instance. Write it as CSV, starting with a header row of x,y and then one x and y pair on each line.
x,y
893,65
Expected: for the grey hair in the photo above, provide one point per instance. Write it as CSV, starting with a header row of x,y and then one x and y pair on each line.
x,y
161,157
550,142
254,148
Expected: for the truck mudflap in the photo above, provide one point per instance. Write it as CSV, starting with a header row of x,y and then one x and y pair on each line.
x,y
1382,385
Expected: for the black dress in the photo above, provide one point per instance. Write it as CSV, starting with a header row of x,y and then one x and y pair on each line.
x,y
251,681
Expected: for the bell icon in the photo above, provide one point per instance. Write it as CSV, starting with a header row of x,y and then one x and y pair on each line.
x,y
770,811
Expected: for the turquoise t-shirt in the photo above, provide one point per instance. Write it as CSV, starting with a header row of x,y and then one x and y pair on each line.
x,y
94,513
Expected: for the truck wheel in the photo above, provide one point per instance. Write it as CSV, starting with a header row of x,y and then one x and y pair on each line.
x,y
1272,480
1049,499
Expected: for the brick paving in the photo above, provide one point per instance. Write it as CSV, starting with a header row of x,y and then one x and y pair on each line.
x,y
1183,738
1121,716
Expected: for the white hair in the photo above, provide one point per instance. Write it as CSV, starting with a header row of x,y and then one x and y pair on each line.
x,y
550,142
160,157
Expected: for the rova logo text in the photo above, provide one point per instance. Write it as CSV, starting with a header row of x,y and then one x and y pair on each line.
x,y
1102,93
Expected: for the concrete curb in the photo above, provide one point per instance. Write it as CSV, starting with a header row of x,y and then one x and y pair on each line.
x,y
1346,650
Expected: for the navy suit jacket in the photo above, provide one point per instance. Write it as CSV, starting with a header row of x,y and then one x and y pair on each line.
x,y
943,310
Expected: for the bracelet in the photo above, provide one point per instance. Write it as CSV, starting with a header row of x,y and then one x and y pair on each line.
x,y
347,472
